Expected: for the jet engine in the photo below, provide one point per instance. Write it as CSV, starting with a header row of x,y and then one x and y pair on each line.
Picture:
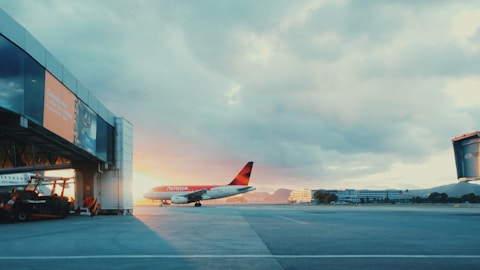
x,y
179,199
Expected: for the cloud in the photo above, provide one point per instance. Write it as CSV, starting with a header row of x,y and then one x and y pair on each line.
x,y
466,28
315,91
463,89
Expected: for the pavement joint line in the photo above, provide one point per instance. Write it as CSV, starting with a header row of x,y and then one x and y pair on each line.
x,y
267,256
294,220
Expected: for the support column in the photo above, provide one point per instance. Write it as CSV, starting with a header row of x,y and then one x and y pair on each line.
x,y
85,174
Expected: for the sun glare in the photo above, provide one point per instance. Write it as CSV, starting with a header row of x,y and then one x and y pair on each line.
x,y
142,182
70,187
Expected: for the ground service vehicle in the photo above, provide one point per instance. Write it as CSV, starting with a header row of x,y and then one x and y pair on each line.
x,y
29,203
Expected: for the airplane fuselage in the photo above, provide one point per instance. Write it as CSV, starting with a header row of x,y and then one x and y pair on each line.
x,y
173,193
14,180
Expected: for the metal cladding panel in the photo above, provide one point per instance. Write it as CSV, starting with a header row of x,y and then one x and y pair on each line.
x,y
69,80
93,103
124,149
123,161
116,194
11,29
466,150
53,66
82,92
110,198
116,185
106,115
35,49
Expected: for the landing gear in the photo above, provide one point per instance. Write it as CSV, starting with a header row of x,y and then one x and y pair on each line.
x,y
198,204
163,202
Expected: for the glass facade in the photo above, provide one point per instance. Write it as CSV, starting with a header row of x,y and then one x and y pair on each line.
x,y
27,89
467,148
21,82
34,81
470,159
11,83
104,147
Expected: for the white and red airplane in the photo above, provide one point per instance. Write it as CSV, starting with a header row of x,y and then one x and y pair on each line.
x,y
188,194
14,179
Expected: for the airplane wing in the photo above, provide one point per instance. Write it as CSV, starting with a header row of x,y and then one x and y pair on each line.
x,y
196,196
190,197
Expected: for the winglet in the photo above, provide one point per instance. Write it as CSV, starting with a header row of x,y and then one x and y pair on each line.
x,y
243,176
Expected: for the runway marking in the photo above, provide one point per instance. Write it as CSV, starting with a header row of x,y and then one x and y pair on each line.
x,y
294,220
267,256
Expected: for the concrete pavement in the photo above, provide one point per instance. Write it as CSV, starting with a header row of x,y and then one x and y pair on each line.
x,y
250,237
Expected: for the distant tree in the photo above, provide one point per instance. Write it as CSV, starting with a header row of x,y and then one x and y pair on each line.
x,y
436,197
443,197
325,197
471,198
418,200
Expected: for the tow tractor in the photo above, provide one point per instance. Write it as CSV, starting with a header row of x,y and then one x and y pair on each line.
x,y
29,203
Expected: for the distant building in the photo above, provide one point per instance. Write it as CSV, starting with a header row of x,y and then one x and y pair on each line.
x,y
300,196
370,196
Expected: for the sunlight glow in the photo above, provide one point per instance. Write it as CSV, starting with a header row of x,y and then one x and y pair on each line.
x,y
70,188
465,91
142,182
465,28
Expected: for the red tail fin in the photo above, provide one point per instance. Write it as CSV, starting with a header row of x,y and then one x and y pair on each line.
x,y
243,176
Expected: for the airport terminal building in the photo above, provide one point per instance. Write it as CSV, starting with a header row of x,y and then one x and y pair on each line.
x,y
368,196
301,196
354,196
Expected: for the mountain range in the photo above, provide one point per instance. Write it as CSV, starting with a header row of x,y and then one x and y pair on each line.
x,y
281,195
453,190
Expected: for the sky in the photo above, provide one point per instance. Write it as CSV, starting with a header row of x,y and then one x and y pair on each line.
x,y
319,94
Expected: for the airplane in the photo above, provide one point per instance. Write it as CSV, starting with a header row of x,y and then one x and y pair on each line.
x,y
189,194
20,180
14,179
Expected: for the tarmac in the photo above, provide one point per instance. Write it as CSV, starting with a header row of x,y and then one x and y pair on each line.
x,y
251,237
